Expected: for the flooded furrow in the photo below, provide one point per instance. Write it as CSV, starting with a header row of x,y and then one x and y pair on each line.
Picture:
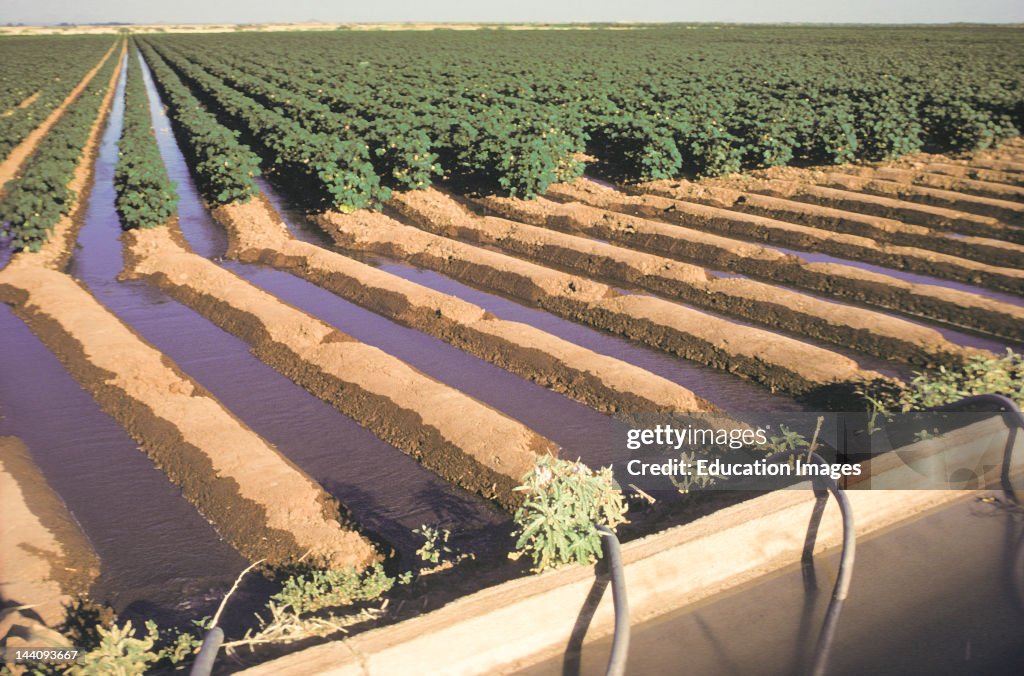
x,y
964,338
581,431
387,492
513,212
912,277
648,223
730,393
159,557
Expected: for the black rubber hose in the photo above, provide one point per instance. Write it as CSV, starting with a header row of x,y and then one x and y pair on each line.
x,y
846,559
842,587
998,399
207,653
1009,406
620,641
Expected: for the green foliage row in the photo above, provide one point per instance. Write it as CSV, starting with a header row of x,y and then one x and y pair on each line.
x,y
509,112
399,152
37,199
335,171
146,197
224,167
49,67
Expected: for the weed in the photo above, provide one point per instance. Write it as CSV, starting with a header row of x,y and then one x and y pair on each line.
x,y
565,502
435,545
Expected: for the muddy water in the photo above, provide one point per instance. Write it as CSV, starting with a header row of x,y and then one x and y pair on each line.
x,y
579,430
730,392
348,461
902,274
159,557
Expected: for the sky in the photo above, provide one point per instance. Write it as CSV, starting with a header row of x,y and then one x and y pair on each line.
x,y
739,11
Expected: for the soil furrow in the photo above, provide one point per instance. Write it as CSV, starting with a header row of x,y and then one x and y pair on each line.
x,y
1001,209
995,164
697,214
607,384
227,471
44,558
257,499
641,222
776,361
991,176
911,177
452,434
798,313
939,218
873,239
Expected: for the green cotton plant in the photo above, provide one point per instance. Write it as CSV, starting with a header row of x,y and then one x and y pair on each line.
x,y
120,652
564,503
224,168
637,146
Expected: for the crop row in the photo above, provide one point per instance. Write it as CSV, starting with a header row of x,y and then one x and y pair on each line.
x,y
336,172
37,76
400,153
510,113
146,197
225,168
497,142
37,199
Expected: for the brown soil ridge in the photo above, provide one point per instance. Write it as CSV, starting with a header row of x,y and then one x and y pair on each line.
x,y
939,218
945,168
690,209
638,222
775,361
258,500
1001,209
977,187
1008,156
609,385
11,164
1012,166
873,239
797,313
461,439
45,559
